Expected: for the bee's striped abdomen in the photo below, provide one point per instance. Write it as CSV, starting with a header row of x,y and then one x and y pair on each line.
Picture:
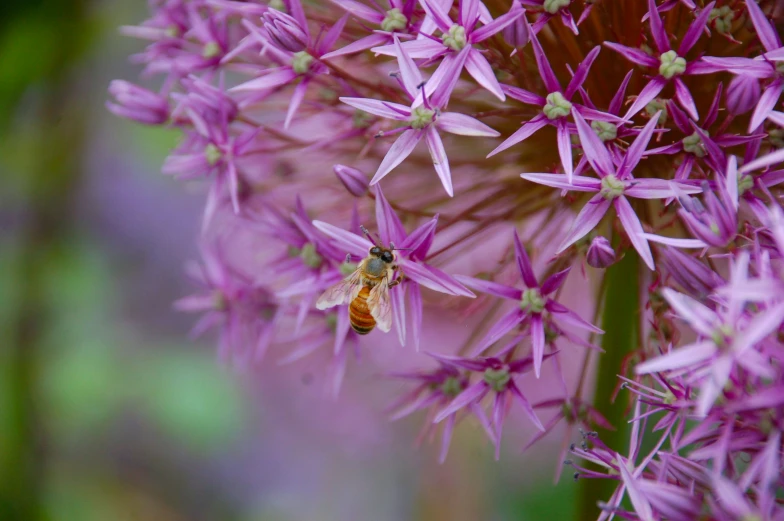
x,y
361,320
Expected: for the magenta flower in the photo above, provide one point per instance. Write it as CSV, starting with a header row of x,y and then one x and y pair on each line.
x,y
137,103
498,378
411,251
423,119
459,38
671,65
691,274
698,144
285,31
396,19
353,179
729,337
615,183
556,106
759,68
245,312
532,302
435,390
302,65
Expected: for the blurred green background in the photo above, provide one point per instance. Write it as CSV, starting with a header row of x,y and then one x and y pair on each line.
x,y
107,409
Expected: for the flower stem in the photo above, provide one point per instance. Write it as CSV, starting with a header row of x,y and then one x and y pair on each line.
x,y
620,321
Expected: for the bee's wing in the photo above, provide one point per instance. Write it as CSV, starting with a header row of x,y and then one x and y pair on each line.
x,y
342,292
380,306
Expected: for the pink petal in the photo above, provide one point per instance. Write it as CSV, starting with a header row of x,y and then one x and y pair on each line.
x,y
360,10
384,109
415,303
268,81
565,148
657,28
296,100
400,150
695,30
526,97
524,264
389,226
472,394
352,243
537,342
485,286
586,220
633,55
767,35
499,329
525,404
528,128
764,161
594,149
766,104
479,69
440,161
650,91
641,506
578,184
360,45
411,76
582,72
636,150
545,71
633,229
684,97
463,125
692,354
496,25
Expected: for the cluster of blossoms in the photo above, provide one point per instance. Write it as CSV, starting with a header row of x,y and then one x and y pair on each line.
x,y
667,147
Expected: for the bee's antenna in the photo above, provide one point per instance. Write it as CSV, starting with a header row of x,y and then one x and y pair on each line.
x,y
401,249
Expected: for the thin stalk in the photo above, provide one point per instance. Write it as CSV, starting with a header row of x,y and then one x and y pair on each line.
x,y
620,321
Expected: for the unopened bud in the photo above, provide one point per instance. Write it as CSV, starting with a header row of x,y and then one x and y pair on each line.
x,y
284,31
600,253
137,103
516,34
743,93
355,181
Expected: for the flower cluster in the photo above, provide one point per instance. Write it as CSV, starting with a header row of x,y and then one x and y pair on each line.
x,y
639,131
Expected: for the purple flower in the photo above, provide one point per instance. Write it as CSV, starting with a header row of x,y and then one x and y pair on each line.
x,y
498,379
411,250
245,312
302,65
532,302
456,46
423,119
397,19
137,103
615,183
600,253
671,65
284,31
556,106
728,337
434,391
698,144
758,68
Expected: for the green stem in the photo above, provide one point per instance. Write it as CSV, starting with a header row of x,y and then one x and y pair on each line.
x,y
620,321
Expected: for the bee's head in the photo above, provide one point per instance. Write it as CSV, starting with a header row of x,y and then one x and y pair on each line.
x,y
387,256
375,251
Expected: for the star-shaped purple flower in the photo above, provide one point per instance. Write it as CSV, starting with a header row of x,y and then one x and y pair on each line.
x,y
532,302
423,119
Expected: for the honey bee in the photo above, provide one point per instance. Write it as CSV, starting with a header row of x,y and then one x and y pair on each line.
x,y
366,290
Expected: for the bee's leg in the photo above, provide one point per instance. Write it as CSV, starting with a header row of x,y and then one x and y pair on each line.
x,y
399,279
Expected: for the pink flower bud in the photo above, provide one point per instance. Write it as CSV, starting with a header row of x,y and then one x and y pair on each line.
x,y
516,34
355,181
284,31
137,103
600,253
743,93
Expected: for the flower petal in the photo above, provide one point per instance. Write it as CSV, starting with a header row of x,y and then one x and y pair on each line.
x,y
486,286
524,132
631,223
400,150
692,354
479,69
463,125
384,109
586,220
352,243
440,160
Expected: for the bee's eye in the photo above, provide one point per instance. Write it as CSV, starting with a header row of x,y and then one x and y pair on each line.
x,y
375,250
387,256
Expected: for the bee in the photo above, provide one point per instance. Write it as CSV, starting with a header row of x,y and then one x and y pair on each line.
x,y
366,290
